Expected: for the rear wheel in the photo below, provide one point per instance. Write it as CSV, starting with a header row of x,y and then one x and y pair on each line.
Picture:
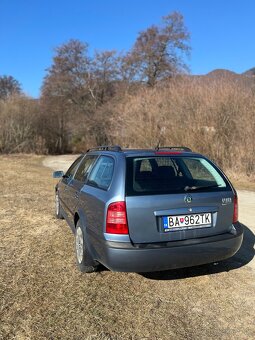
x,y
84,260
58,207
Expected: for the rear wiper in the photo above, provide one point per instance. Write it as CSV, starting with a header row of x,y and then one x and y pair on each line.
x,y
187,188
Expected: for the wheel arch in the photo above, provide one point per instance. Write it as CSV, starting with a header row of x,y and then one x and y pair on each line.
x,y
80,216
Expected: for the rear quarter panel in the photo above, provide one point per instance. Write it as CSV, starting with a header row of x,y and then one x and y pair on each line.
x,y
94,201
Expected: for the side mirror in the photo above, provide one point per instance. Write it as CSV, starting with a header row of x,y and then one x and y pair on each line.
x,y
58,174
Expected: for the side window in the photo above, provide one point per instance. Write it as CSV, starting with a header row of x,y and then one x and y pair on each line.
x,y
198,170
145,165
84,168
201,170
101,175
70,172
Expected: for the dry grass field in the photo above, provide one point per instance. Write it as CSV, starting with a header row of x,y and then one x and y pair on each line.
x,y
43,296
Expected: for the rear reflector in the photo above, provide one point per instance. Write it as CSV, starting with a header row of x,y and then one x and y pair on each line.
x,y
116,220
235,214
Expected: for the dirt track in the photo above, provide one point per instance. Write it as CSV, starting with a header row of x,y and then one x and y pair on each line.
x,y
43,296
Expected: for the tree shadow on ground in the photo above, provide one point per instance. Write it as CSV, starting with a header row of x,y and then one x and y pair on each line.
x,y
244,255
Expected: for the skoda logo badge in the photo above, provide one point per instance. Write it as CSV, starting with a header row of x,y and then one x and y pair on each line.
x,y
188,199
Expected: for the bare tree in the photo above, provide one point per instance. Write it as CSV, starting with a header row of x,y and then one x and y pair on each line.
x,y
158,50
104,73
65,92
68,76
9,86
75,86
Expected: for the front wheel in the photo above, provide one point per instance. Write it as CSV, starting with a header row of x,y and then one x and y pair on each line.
x,y
84,261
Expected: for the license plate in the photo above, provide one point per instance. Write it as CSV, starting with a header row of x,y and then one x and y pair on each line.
x,y
187,221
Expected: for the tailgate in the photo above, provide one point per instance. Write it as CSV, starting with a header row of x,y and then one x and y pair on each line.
x,y
146,215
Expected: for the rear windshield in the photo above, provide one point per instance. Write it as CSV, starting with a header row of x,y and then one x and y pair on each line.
x,y
176,174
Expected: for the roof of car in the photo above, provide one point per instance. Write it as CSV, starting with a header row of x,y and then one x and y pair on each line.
x,y
163,150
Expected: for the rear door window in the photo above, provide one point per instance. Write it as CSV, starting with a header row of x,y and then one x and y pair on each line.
x,y
85,167
164,175
101,175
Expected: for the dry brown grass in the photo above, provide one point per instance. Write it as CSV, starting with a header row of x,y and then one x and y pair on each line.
x,y
241,181
43,296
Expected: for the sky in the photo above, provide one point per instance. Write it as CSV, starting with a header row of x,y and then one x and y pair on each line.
x,y
222,32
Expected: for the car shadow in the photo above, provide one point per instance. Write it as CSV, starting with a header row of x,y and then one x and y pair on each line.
x,y
244,255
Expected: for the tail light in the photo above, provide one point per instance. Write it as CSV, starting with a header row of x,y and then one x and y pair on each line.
x,y
116,220
235,214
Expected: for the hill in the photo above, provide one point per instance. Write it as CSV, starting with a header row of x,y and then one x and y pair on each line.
x,y
250,72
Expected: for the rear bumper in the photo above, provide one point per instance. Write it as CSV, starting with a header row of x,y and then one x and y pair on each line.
x,y
126,257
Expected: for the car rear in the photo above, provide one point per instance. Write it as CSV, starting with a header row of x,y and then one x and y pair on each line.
x,y
178,210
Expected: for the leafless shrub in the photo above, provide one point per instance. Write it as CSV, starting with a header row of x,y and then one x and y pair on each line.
x,y
18,126
213,117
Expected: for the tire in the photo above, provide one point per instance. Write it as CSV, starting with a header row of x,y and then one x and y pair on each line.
x,y
58,209
84,260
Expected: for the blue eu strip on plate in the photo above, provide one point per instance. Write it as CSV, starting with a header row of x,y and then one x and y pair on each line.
x,y
165,222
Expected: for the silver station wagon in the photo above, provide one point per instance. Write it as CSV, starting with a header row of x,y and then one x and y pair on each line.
x,y
144,210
